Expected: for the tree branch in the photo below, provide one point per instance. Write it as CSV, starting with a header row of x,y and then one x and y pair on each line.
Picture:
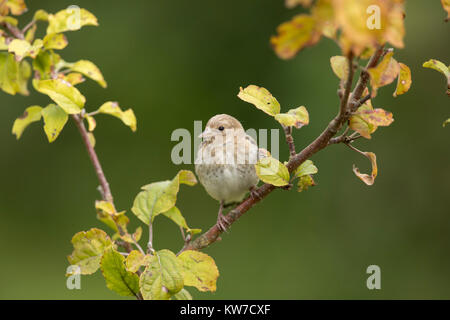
x,y
346,107
106,191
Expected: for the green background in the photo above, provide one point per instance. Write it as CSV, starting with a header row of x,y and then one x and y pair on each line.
x,y
174,62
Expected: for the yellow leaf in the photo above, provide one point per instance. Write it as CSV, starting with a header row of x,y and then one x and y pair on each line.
x,y
90,70
261,98
298,117
404,80
272,171
368,23
446,6
31,114
339,64
17,7
63,93
199,270
293,3
74,78
384,73
55,41
376,117
127,117
70,19
55,119
134,261
91,122
294,35
368,179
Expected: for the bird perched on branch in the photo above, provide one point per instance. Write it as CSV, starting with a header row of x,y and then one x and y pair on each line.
x,y
225,162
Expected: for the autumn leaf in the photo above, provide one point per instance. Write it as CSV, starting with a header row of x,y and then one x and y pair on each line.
x,y
294,35
404,80
366,178
384,73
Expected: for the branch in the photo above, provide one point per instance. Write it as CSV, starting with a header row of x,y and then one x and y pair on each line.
x,y
213,234
106,191
289,140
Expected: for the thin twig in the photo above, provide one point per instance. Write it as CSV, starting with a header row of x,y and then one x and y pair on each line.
x,y
106,191
290,141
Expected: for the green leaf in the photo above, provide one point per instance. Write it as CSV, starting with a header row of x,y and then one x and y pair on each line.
x,y
55,119
127,117
13,75
182,295
339,64
304,172
306,168
438,66
63,93
44,62
89,69
162,277
260,98
30,115
298,117
272,171
159,197
199,270
118,279
55,41
70,19
175,215
88,249
442,68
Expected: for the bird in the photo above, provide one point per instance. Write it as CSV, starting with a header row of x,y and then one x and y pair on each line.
x,y
225,163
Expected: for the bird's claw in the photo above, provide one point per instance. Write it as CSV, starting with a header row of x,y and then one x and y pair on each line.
x,y
222,223
254,193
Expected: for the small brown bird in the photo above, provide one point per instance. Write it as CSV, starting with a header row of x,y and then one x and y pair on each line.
x,y
225,162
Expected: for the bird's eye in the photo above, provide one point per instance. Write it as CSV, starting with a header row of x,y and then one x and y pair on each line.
x,y
221,128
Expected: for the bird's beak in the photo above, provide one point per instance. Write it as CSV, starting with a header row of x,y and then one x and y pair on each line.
x,y
205,134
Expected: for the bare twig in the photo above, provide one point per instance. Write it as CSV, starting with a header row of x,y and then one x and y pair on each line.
x,y
345,110
290,141
106,191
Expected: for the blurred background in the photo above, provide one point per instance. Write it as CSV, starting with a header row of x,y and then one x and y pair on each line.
x,y
174,62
